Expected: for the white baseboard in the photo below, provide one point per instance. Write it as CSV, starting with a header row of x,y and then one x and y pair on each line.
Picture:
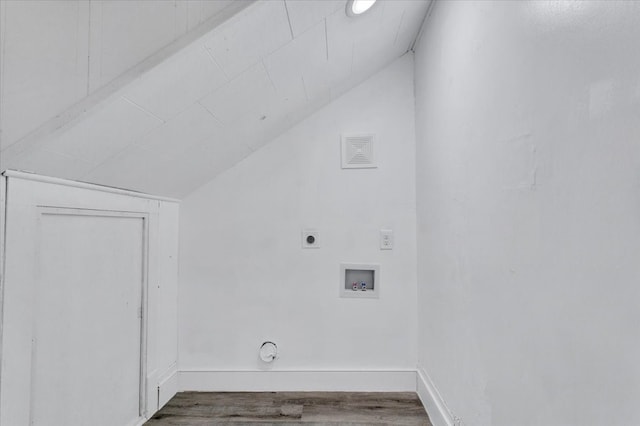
x,y
439,413
140,422
167,387
297,381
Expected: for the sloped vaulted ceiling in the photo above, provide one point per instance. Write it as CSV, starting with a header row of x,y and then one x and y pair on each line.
x,y
222,96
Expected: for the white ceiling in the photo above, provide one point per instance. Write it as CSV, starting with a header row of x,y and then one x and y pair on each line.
x,y
225,95
54,53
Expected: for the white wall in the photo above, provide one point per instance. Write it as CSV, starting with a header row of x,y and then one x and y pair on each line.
x,y
529,210
244,277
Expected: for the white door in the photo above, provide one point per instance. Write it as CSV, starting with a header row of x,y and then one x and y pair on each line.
x,y
86,354
78,263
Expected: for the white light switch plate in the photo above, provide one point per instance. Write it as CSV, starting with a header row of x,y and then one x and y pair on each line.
x,y
386,239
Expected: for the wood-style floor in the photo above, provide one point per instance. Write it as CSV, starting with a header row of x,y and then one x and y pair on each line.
x,y
307,408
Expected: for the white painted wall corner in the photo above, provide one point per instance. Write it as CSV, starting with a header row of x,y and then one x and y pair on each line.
x,y
439,413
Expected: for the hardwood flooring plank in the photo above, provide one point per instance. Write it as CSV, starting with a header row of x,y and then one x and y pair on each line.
x,y
304,408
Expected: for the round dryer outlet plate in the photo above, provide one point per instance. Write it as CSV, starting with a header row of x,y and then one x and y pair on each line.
x,y
310,238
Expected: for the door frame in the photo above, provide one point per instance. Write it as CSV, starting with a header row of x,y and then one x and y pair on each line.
x,y
144,282
3,224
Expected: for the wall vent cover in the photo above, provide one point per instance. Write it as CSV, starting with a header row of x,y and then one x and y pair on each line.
x,y
357,151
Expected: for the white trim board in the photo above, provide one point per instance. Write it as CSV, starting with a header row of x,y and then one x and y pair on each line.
x,y
439,413
297,381
85,185
167,386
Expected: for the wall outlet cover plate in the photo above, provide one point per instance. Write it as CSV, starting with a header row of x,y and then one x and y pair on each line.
x,y
386,239
310,238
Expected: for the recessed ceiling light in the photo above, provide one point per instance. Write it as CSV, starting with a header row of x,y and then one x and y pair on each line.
x,y
358,7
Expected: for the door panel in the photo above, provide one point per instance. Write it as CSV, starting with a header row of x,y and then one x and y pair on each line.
x,y
86,356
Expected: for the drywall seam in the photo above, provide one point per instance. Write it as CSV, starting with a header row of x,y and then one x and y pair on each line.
x,y
422,26
286,9
297,381
439,413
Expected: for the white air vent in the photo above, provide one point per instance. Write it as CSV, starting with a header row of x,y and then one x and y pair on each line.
x,y
357,151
